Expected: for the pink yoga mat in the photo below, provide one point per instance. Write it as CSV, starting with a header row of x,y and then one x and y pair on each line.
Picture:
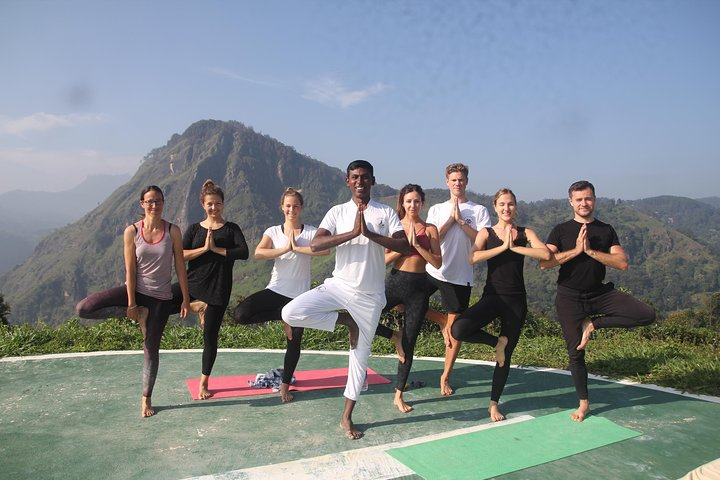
x,y
237,386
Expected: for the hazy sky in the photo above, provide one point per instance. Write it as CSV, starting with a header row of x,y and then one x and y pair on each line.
x,y
532,95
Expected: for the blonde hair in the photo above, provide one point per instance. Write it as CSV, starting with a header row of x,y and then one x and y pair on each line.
x,y
504,191
456,167
291,192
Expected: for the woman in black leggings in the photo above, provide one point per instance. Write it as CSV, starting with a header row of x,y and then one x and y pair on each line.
x,y
211,248
504,247
406,283
289,246
151,246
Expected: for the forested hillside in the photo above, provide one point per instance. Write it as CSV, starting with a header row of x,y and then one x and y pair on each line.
x,y
672,262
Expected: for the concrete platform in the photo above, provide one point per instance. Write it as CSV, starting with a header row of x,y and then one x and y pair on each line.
x,y
78,416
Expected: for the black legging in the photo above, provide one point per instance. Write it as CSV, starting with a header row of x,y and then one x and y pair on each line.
x,y
512,311
618,310
214,315
410,289
112,301
264,306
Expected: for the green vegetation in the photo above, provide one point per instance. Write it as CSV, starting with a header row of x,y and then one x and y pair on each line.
x,y
681,351
4,310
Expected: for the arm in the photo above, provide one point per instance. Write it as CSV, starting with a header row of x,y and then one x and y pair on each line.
x,y
537,248
397,242
483,221
180,269
616,258
324,240
391,256
478,252
265,250
239,250
558,258
130,267
306,250
432,256
193,253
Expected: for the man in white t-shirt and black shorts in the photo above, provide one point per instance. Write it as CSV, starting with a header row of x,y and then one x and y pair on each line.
x,y
458,221
361,229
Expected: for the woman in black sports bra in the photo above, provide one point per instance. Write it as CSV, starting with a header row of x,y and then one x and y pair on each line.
x,y
504,246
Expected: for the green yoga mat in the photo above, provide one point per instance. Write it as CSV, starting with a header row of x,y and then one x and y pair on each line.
x,y
504,449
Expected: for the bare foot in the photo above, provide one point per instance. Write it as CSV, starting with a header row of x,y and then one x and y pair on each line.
x,y
285,394
582,411
349,429
288,330
344,318
146,409
400,403
445,389
397,340
203,392
500,350
495,413
199,307
587,329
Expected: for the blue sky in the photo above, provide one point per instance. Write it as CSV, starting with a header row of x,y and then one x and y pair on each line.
x,y
532,95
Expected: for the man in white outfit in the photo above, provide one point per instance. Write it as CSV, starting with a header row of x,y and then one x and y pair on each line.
x,y
361,229
458,221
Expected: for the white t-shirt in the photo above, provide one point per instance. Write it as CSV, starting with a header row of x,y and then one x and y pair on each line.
x,y
455,246
291,271
360,263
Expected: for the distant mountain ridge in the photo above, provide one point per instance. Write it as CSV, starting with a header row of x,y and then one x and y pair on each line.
x,y
668,267
28,216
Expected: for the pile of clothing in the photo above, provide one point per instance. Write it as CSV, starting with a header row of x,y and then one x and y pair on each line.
x,y
271,379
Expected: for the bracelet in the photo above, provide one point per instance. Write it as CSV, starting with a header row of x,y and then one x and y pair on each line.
x,y
130,307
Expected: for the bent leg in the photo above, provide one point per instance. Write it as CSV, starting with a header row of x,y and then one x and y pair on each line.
x,y
621,310
110,303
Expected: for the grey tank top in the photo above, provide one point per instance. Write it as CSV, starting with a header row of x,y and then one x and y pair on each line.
x,y
154,263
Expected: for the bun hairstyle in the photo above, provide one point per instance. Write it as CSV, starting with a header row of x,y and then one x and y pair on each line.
x,y
410,187
210,188
291,192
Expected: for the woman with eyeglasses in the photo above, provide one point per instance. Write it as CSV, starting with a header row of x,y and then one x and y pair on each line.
x,y
211,248
151,247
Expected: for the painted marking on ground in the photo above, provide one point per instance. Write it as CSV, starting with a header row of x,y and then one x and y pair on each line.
x,y
359,464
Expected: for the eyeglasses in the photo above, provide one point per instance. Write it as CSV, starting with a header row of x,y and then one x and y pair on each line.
x,y
152,202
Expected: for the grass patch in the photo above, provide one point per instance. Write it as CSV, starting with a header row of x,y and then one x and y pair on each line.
x,y
684,358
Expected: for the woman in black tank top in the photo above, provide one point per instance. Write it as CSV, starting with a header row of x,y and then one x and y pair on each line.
x,y
504,247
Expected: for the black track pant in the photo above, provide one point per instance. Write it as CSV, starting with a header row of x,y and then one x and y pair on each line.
x,y
512,311
211,331
617,310
264,306
409,289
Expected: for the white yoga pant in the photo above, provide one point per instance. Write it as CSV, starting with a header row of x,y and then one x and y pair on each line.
x,y
317,308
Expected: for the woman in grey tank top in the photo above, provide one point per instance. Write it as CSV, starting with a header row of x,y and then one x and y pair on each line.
x,y
151,247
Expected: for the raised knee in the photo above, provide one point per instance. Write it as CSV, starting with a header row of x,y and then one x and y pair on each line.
x,y
650,318
240,314
81,308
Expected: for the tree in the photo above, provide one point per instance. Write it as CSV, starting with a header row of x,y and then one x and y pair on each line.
x,y
4,310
